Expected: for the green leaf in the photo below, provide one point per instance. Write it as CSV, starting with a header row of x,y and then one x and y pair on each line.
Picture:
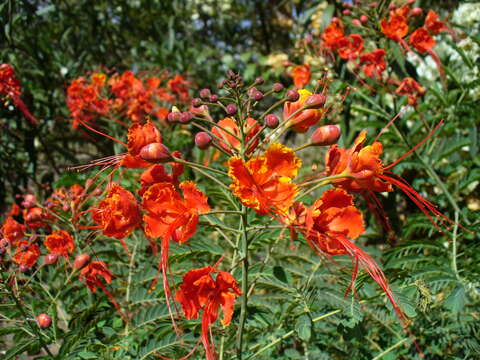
x,y
456,301
303,327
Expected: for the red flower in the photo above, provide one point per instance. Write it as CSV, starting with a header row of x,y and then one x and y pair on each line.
x,y
119,214
230,143
199,291
12,230
60,242
138,137
331,36
26,254
421,40
301,75
412,89
158,174
36,217
432,23
350,47
373,63
396,28
93,274
305,119
179,86
263,183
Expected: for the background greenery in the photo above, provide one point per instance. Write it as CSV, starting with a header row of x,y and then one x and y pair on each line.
x,y
435,275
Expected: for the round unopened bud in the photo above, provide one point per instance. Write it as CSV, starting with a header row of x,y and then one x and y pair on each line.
x,y
88,183
346,12
173,117
251,91
97,192
221,84
155,153
363,19
213,98
258,95
51,259
326,135
196,102
271,121
373,4
356,22
277,87
315,101
80,261
23,268
335,19
417,11
293,95
65,207
28,204
4,242
205,94
203,140
231,109
259,80
391,6
185,117
44,321
30,197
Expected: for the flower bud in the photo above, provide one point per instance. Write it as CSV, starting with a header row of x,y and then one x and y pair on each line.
x,y
155,153
356,22
315,101
391,6
29,201
326,135
97,192
259,80
185,117
277,87
271,121
23,268
231,109
363,19
173,116
44,321
346,12
80,261
417,11
213,98
221,84
203,140
196,102
258,95
51,259
373,4
251,91
205,94
4,242
335,19
65,207
293,95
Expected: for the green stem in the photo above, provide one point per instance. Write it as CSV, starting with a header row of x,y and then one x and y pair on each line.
x,y
244,296
454,247
393,347
198,166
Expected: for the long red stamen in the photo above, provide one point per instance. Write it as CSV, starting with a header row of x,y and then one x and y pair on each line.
x,y
400,113
415,147
101,133
23,108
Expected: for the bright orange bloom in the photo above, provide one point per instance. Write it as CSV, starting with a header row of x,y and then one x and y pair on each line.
x,y
229,142
359,164
60,242
432,23
350,47
200,291
138,137
14,210
303,120
396,28
332,220
179,86
36,217
263,183
373,63
12,230
26,254
301,75
93,273
331,36
158,174
118,214
412,89
421,40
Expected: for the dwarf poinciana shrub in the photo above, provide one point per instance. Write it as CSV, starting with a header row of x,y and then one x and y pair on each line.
x,y
224,247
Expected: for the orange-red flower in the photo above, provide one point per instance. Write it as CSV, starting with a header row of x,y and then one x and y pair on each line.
x,y
301,75
412,89
350,47
263,183
179,86
26,254
118,214
432,23
60,242
232,143
421,40
36,217
139,136
396,28
199,291
331,36
332,220
12,230
303,120
93,274
373,63
158,174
